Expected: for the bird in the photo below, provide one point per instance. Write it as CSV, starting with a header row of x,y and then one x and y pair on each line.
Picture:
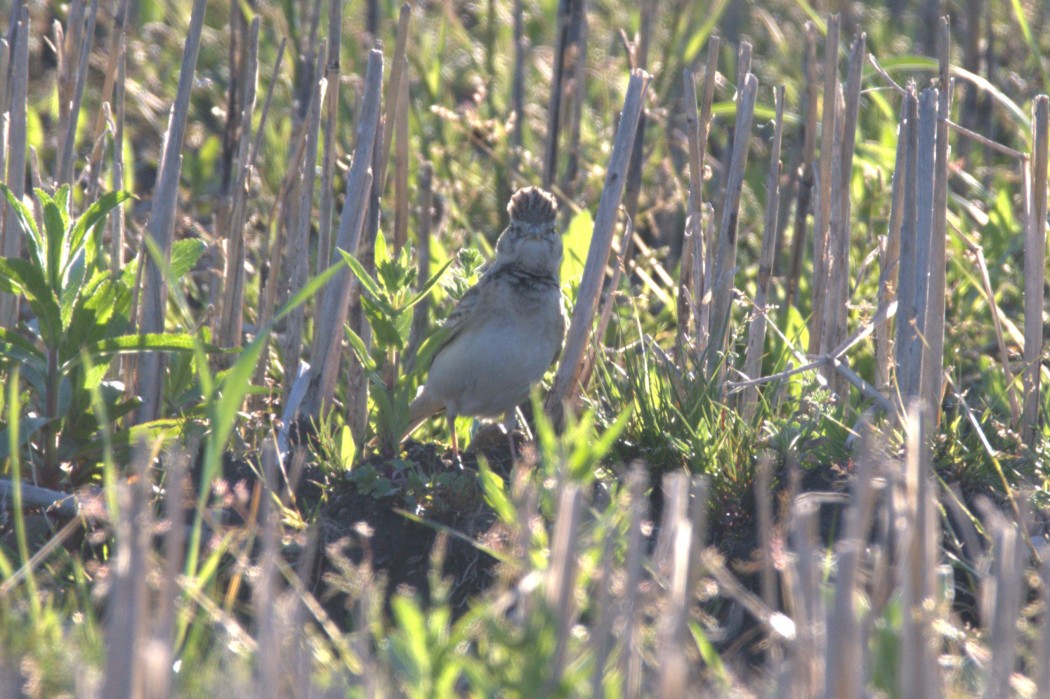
x,y
506,331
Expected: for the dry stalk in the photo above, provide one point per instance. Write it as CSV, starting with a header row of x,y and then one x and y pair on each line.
x,y
836,312
231,315
115,56
891,250
1034,260
561,578
805,186
299,242
756,337
64,171
162,221
324,222
401,163
326,355
561,50
822,223
725,260
933,360
11,246
566,380
705,235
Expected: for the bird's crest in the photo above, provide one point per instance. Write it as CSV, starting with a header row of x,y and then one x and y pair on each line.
x,y
532,205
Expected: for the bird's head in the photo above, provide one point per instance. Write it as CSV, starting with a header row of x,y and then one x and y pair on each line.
x,y
531,240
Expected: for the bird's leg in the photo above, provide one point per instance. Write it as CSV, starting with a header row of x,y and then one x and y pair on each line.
x,y
454,439
510,421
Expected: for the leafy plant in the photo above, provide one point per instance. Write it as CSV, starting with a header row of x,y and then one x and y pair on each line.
x,y
387,301
81,314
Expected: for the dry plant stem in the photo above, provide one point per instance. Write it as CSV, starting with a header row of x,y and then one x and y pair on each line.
x,y
633,186
64,172
985,141
890,252
517,86
905,335
919,676
1001,598
764,519
561,48
116,220
933,331
126,622
705,234
607,305
805,186
919,347
673,630
324,219
162,221
401,164
116,54
756,337
16,158
299,243
693,226
232,306
1034,261
326,354
836,315
426,209
822,223
567,377
393,102
631,656
578,35
561,577
725,262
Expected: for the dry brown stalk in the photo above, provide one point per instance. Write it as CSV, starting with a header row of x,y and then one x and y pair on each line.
x,y
836,312
325,206
822,222
299,241
231,314
64,171
933,360
11,245
401,164
890,253
162,221
1034,261
561,50
566,380
725,255
705,235
805,186
756,336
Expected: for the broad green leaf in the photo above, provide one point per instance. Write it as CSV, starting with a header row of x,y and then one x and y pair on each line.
x,y
39,295
94,215
360,351
495,494
575,243
428,286
366,280
28,226
17,342
55,234
184,255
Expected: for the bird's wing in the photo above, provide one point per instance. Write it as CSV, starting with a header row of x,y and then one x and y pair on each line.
x,y
455,322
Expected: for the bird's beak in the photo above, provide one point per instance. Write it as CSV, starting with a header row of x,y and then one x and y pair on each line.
x,y
535,231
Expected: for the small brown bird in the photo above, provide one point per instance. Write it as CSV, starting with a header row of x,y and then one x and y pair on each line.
x,y
507,330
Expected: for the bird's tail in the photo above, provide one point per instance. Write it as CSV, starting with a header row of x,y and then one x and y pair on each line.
x,y
422,408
